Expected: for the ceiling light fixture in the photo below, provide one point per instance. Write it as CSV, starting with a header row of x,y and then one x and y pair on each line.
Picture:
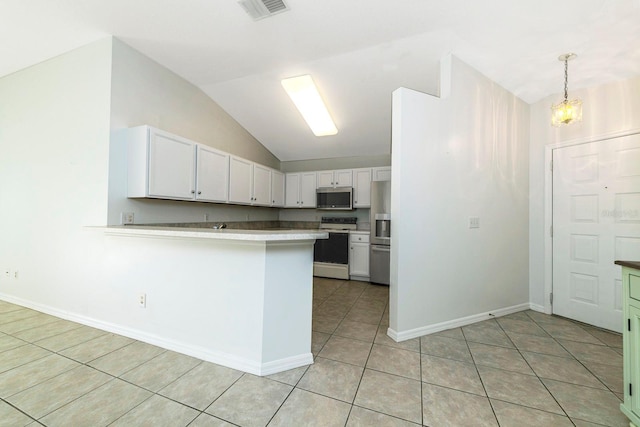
x,y
566,112
305,96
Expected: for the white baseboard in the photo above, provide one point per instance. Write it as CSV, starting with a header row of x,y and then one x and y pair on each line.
x,y
286,364
537,307
455,323
220,358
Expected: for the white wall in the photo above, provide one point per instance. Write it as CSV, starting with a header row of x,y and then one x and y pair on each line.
x,y
608,110
55,124
465,155
54,140
144,92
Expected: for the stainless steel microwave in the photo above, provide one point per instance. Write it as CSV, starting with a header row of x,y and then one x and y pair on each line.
x,y
338,198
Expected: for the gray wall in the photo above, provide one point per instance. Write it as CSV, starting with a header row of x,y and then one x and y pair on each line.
x,y
336,163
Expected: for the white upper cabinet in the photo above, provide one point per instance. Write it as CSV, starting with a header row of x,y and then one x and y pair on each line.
x,y
381,173
325,179
300,190
343,178
308,190
160,165
335,178
362,188
277,188
249,182
212,175
292,190
261,188
240,180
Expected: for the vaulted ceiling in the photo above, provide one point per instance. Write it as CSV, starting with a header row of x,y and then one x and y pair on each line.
x,y
358,52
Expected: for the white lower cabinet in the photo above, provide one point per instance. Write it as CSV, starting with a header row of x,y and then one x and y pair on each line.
x,y
359,256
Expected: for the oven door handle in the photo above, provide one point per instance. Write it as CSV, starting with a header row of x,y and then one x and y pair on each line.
x,y
380,248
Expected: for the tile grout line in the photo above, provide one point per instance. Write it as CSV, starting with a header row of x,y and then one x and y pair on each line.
x,y
475,365
533,370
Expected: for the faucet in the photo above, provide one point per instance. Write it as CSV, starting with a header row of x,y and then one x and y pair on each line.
x,y
219,226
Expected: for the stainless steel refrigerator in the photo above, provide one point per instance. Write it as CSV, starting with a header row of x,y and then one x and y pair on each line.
x,y
380,247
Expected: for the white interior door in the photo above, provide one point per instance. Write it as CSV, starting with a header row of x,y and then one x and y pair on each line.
x,y
596,220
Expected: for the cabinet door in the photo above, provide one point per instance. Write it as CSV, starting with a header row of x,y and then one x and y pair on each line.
x,y
261,194
171,166
212,175
362,188
325,179
292,190
240,171
308,190
634,359
277,188
382,174
359,261
343,178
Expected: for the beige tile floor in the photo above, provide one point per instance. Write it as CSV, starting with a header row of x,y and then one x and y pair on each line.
x,y
525,369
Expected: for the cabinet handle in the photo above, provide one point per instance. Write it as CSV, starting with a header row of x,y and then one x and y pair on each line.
x,y
193,191
199,192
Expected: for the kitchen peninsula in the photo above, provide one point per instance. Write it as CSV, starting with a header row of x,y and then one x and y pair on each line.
x,y
239,298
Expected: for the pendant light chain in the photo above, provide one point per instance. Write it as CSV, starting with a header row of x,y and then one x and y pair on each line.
x,y
566,79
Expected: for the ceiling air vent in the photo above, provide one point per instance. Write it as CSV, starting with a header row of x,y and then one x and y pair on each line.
x,y
259,9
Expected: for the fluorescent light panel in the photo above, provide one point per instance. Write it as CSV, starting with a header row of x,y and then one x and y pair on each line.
x,y
305,96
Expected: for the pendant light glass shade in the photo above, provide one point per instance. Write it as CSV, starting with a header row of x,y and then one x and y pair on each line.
x,y
567,111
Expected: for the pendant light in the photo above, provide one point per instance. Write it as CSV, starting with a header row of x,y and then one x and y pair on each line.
x,y
567,111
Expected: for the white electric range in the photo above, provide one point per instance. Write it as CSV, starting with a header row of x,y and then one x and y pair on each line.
x,y
331,256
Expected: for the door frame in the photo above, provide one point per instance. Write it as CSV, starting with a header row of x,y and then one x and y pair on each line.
x,y
548,202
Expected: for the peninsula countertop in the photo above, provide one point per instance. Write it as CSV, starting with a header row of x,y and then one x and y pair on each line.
x,y
630,264
220,234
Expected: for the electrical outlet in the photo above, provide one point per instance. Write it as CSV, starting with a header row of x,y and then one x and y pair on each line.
x,y
142,300
474,222
206,217
15,274
126,218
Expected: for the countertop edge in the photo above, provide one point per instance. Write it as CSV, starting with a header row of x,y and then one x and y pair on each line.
x,y
224,234
629,264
